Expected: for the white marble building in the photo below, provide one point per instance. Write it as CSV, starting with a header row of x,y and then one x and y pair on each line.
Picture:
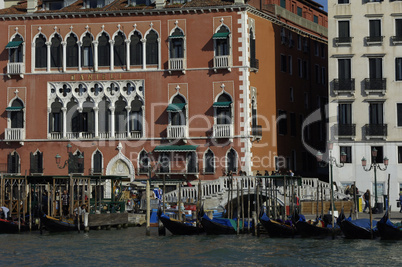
x,y
365,92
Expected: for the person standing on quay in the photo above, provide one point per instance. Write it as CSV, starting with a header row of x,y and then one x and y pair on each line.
x,y
400,202
366,200
64,201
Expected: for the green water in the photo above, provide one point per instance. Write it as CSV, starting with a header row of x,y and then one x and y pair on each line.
x,y
130,247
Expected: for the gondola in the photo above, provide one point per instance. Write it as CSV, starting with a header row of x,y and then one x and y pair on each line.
x,y
313,228
278,228
52,224
218,226
389,230
9,226
177,227
358,229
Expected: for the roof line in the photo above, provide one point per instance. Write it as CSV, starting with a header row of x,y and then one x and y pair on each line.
x,y
280,23
125,12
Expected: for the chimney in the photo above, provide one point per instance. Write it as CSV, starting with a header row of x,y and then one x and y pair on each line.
x,y
32,6
160,3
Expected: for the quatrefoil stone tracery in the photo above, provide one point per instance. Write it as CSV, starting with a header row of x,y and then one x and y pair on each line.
x,y
129,88
95,92
81,89
113,89
65,90
97,89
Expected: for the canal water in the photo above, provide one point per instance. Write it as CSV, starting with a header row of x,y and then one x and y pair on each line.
x,y
130,247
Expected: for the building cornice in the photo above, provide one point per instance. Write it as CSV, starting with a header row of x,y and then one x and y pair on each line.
x,y
109,13
278,22
343,56
374,55
342,16
374,15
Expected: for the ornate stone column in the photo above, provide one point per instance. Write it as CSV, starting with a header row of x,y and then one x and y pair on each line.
x,y
96,111
49,44
112,121
64,109
95,55
128,41
64,63
111,54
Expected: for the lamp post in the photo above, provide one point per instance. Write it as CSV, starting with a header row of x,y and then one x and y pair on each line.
x,y
148,188
331,162
70,161
374,165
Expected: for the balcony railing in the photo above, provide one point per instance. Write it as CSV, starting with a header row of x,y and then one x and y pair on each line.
x,y
72,135
56,135
91,135
177,64
396,39
344,85
94,171
376,130
176,131
14,134
343,40
254,64
136,134
87,135
257,131
375,85
345,130
372,40
37,171
222,130
16,68
223,62
120,135
104,135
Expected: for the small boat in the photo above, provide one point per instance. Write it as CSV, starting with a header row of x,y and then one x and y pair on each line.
x,y
57,225
220,226
177,227
389,230
278,228
358,229
9,226
315,228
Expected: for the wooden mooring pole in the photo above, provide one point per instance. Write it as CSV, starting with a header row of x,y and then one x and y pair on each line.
x,y
248,208
30,207
148,228
371,216
238,207
389,212
161,228
19,204
242,207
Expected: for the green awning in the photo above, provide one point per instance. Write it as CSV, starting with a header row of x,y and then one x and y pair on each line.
x,y
177,107
14,44
221,35
176,36
14,108
222,104
175,148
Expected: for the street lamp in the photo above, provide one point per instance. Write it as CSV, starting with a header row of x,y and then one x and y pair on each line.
x,y
331,162
374,165
70,160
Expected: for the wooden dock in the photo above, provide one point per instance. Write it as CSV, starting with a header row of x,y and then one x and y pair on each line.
x,y
310,207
